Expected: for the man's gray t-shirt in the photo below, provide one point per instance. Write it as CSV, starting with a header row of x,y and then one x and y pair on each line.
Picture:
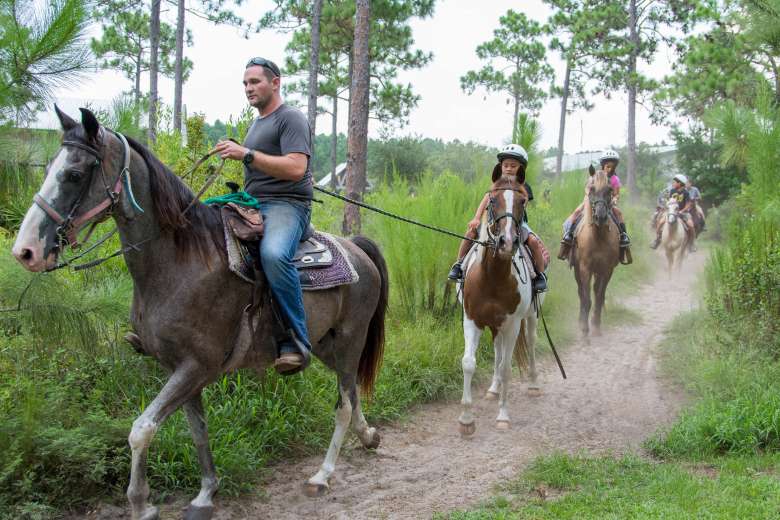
x,y
694,192
283,131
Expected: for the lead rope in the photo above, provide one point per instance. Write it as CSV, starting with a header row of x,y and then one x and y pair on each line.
x,y
544,323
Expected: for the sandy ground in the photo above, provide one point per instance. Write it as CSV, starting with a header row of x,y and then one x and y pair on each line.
x,y
612,401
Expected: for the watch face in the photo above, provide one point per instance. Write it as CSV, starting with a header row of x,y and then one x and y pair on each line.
x,y
248,158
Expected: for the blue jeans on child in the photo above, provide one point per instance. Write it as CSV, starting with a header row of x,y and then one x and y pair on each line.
x,y
284,224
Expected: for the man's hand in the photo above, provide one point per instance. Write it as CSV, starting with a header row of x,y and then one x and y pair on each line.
x,y
473,225
231,150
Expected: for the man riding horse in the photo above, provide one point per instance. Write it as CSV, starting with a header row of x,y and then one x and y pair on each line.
x,y
698,211
512,161
609,161
277,172
684,203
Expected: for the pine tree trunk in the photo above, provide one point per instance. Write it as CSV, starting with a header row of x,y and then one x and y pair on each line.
x,y
358,124
179,68
562,124
314,65
137,89
515,137
154,43
631,184
334,144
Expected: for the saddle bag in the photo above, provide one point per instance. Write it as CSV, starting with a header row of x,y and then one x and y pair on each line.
x,y
245,223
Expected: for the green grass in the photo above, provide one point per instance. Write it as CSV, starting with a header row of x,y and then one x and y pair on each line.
x,y
580,487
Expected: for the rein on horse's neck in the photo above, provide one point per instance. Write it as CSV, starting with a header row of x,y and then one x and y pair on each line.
x,y
492,264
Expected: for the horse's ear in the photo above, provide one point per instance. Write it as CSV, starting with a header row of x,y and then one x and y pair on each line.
x,y
496,172
66,121
90,122
591,170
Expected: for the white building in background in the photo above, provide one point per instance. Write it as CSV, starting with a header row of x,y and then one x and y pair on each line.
x,y
341,178
581,160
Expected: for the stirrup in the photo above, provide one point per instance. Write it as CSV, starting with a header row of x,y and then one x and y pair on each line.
x,y
539,284
456,272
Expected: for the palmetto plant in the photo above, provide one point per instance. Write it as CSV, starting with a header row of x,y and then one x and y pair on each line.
x,y
42,47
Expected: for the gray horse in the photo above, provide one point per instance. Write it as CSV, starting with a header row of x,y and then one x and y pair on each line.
x,y
187,308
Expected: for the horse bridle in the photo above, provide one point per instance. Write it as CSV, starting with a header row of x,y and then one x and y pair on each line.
x,y
493,219
69,226
593,203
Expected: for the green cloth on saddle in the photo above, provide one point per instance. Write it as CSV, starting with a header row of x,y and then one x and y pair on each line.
x,y
240,198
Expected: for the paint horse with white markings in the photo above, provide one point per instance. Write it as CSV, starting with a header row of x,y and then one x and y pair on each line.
x,y
497,296
188,308
674,239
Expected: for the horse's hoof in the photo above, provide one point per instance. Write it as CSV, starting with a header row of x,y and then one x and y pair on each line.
x,y
502,425
534,391
151,513
315,490
596,333
374,443
199,512
491,396
467,430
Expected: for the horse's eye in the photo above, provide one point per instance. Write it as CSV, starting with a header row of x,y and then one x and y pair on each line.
x,y
74,176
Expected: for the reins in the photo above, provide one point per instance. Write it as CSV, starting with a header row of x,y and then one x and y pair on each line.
x,y
122,179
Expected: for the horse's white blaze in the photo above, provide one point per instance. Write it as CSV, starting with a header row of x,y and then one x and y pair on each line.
x,y
509,199
29,236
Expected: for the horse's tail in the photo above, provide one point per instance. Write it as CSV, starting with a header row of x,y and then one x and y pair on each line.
x,y
371,358
521,348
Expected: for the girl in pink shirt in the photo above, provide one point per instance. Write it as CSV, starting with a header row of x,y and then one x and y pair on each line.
x,y
609,160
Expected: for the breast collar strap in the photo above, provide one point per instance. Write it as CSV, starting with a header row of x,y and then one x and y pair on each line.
x,y
70,226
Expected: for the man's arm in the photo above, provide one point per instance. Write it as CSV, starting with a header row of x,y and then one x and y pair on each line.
x,y
290,167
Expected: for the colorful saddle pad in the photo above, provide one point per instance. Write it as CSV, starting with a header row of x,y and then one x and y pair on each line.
x,y
321,261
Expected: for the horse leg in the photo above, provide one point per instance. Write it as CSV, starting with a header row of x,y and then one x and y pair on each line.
x,y
584,292
177,390
506,342
599,292
530,342
495,385
471,334
202,507
318,484
368,435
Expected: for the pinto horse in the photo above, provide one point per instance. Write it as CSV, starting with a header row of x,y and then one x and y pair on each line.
x,y
497,296
596,251
187,306
674,239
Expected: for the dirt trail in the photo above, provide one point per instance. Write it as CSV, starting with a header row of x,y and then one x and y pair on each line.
x,y
612,400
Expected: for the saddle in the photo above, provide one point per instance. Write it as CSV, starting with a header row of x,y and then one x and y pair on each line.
x,y
321,261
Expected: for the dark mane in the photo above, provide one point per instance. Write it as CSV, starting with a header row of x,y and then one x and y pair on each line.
x,y
170,197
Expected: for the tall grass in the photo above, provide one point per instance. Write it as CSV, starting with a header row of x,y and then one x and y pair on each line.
x,y
71,388
732,358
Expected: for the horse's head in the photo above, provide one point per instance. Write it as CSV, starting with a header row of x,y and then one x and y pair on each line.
x,y
81,186
599,197
672,210
505,215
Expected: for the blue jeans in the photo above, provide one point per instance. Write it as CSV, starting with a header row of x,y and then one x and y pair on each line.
x,y
284,223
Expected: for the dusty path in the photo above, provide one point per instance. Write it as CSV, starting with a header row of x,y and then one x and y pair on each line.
x,y
612,400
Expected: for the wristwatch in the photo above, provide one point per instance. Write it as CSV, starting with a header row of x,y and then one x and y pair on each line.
x,y
249,157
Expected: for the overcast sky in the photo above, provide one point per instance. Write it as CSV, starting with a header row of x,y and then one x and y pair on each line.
x,y
445,111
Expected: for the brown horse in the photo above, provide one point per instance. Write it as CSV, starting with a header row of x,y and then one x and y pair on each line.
x,y
596,251
497,296
187,306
